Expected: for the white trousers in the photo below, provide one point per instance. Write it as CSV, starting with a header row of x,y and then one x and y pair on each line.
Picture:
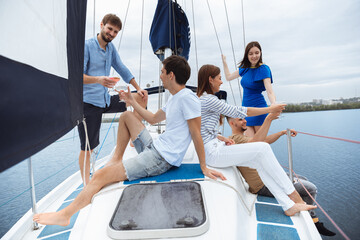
x,y
258,155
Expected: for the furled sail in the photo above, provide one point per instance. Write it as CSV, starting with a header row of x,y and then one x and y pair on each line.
x,y
170,29
41,66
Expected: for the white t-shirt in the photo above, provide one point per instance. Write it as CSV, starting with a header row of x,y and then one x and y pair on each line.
x,y
173,143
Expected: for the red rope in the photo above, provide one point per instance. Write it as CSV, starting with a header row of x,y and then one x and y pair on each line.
x,y
327,215
335,138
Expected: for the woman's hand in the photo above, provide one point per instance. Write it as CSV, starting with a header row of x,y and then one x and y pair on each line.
x,y
210,173
223,57
227,141
277,108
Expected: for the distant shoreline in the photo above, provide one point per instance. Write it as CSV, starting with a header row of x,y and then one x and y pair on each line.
x,y
292,108
310,108
109,120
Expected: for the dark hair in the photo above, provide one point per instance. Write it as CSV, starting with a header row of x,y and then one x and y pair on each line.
x,y
228,119
205,72
245,63
113,20
179,66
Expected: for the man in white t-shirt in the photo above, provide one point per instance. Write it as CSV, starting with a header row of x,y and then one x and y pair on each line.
x,y
183,115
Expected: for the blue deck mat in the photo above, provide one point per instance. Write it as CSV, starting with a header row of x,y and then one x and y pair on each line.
x,y
61,236
266,199
266,232
185,171
51,229
73,195
271,214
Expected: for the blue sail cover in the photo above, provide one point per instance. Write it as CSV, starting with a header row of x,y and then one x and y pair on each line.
x,y
162,34
41,66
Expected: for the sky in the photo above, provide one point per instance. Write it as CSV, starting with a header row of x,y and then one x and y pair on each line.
x,y
311,47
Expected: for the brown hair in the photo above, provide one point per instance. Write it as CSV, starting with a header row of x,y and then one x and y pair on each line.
x,y
245,63
179,66
113,20
205,72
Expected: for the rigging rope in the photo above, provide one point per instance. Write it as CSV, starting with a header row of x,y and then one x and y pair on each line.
x,y
196,56
141,40
217,37
243,22
173,21
232,48
94,19
87,149
334,138
122,32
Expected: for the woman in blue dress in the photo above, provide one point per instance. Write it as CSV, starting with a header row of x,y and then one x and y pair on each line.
x,y
255,78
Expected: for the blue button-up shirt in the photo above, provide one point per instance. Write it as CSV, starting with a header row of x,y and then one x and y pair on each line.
x,y
98,62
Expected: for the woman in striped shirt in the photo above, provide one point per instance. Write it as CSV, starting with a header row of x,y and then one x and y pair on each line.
x,y
222,152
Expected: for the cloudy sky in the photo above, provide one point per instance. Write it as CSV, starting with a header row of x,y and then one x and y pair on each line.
x,y
312,47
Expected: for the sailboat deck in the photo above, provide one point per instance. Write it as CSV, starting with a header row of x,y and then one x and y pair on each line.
x,y
228,206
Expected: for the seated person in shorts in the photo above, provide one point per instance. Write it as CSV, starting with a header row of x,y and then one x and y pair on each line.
x,y
182,113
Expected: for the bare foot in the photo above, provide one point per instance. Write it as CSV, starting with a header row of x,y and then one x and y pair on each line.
x,y
297,208
52,218
295,197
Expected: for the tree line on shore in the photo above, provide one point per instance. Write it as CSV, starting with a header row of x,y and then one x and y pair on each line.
x,y
320,107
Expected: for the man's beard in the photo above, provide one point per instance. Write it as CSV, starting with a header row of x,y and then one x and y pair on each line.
x,y
103,36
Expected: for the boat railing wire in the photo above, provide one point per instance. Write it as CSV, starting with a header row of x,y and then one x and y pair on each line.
x,y
107,129
319,206
97,154
317,203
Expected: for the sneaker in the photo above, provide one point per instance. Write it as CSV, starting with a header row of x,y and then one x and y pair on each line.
x,y
323,230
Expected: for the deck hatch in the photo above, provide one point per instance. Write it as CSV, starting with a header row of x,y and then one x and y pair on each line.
x,y
159,210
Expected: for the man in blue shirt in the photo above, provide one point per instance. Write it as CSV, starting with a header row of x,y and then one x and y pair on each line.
x,y
99,56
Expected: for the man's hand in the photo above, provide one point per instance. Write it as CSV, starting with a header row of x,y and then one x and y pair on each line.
x,y
293,133
126,96
143,94
273,116
106,81
213,174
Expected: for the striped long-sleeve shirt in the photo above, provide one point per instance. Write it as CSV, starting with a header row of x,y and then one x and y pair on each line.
x,y
211,108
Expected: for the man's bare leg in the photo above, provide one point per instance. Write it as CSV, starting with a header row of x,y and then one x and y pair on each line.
x,y
129,128
142,103
87,165
102,177
298,207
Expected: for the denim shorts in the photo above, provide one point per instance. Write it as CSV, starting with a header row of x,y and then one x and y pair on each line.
x,y
149,162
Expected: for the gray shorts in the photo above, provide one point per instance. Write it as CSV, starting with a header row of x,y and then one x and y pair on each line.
x,y
148,163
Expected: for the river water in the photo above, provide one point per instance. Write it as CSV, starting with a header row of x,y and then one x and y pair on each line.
x,y
332,165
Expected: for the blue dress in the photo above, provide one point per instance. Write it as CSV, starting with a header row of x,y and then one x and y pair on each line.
x,y
253,85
